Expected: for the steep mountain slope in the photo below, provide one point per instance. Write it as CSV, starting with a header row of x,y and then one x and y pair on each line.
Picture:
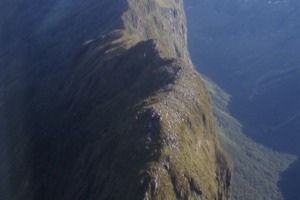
x,y
257,169
249,48
122,115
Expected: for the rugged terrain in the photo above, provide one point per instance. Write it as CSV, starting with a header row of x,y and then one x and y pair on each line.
x,y
250,49
257,169
99,100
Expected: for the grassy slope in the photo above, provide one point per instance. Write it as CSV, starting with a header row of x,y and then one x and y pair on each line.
x,y
154,129
257,169
119,118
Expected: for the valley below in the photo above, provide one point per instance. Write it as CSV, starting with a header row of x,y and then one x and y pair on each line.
x,y
250,50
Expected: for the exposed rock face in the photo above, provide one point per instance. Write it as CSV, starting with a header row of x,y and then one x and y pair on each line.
x,y
125,117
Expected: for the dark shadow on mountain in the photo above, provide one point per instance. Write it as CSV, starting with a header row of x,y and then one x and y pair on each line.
x,y
39,42
290,181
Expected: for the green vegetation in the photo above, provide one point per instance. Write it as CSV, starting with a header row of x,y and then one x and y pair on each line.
x,y
122,116
153,129
163,21
256,168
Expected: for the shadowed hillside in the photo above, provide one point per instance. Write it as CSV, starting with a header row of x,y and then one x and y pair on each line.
x,y
100,101
250,49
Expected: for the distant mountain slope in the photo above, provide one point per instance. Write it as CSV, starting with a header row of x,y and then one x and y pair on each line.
x,y
101,101
250,49
257,169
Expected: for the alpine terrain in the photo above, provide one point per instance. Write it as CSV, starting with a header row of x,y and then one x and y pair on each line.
x,y
99,100
250,49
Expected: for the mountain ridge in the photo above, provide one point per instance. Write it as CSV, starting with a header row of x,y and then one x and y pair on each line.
x,y
121,116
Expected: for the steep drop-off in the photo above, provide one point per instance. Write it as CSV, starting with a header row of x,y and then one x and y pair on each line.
x,y
250,49
257,169
123,115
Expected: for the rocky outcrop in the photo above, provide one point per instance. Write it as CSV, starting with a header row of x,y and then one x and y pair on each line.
x,y
127,118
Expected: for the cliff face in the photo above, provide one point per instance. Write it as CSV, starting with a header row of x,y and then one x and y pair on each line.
x,y
125,117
